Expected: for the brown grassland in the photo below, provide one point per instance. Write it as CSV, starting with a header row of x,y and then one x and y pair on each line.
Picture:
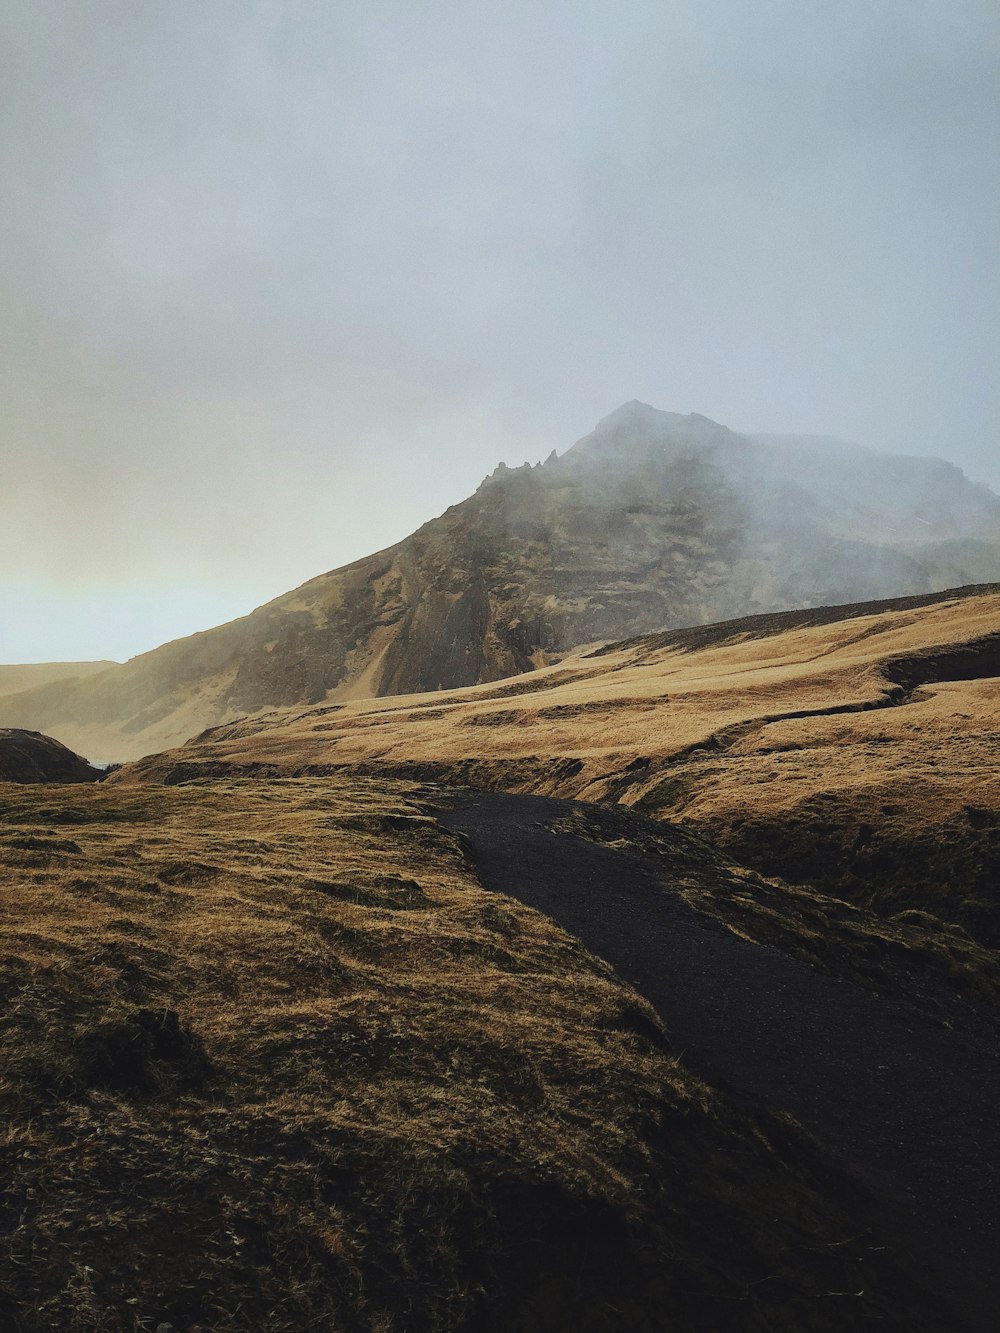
x,y
273,1059
853,750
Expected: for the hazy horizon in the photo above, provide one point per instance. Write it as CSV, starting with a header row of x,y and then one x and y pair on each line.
x,y
282,281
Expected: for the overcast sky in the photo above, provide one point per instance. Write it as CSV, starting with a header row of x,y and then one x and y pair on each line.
x,y
281,279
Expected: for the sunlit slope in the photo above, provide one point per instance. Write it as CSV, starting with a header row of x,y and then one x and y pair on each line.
x,y
859,751
653,520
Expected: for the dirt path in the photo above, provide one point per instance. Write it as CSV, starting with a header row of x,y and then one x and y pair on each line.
x,y
909,1108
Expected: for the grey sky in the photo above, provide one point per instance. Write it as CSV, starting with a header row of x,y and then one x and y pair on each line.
x,y
282,280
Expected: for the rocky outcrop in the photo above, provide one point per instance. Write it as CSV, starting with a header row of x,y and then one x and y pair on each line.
x,y
28,756
653,521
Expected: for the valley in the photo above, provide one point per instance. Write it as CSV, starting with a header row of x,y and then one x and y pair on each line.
x,y
852,749
499,668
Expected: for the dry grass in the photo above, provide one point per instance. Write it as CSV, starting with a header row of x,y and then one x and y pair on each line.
x,y
896,953
856,756
663,703
273,1060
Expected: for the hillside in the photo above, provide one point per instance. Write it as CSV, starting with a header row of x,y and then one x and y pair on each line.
x,y
273,1058
850,748
27,756
788,841
654,520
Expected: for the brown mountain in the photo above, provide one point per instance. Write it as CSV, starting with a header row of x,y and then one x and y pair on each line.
x,y
652,521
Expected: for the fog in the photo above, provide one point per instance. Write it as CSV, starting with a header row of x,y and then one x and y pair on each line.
x,y
280,281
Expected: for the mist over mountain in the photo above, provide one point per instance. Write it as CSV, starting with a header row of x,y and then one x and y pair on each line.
x,y
655,520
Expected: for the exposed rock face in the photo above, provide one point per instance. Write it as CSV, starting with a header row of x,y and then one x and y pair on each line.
x,y
28,756
654,520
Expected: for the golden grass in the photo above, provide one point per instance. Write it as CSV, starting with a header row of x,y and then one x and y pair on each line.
x,y
879,792
272,1059
657,702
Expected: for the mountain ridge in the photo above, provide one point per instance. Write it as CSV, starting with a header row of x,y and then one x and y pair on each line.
x,y
652,521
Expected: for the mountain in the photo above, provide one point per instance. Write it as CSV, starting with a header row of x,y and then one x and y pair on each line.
x,y
652,521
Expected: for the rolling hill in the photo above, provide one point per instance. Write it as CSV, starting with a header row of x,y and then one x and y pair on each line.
x,y
652,521
852,748
296,1014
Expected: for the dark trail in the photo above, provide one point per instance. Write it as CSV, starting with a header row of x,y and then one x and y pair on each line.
x,y
908,1108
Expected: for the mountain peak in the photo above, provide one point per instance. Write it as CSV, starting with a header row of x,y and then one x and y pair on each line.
x,y
638,425
635,413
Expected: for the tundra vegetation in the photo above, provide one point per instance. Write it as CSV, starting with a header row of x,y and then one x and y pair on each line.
x,y
844,753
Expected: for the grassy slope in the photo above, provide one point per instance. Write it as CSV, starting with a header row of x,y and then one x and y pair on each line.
x,y
855,754
272,1059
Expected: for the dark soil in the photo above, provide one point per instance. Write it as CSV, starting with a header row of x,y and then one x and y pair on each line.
x,y
906,1106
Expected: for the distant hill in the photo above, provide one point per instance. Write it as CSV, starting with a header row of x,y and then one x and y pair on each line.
x,y
652,521
14,679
